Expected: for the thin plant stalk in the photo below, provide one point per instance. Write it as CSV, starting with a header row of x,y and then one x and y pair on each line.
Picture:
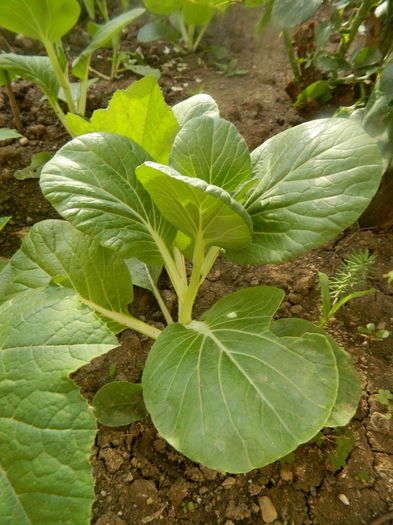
x,y
356,22
59,112
61,75
165,312
14,106
292,58
126,320
199,37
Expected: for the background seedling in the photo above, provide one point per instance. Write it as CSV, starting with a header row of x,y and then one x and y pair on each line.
x,y
351,274
371,332
385,397
344,445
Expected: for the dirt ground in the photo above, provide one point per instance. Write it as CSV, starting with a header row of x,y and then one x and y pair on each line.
x,y
140,479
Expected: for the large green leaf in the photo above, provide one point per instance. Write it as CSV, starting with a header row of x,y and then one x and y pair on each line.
x,y
198,13
213,150
198,209
56,251
37,69
291,13
230,394
349,390
195,106
140,113
163,7
91,182
46,20
46,428
103,34
313,181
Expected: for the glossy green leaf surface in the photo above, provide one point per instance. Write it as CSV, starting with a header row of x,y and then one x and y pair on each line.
x,y
291,13
349,390
37,69
119,403
91,182
46,427
105,32
55,251
229,393
213,150
195,106
45,20
313,181
140,113
198,209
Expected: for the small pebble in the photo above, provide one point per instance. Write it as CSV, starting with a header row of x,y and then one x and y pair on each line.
x,y
24,141
269,513
228,483
343,498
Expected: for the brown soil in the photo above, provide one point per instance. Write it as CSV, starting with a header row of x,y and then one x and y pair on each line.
x,y
140,479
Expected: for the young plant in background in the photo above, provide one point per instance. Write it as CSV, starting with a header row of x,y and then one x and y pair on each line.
x,y
317,68
184,21
371,332
142,187
48,22
337,291
92,6
385,397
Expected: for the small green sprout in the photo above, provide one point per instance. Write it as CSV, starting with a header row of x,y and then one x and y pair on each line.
x,y
112,371
385,397
187,506
344,445
362,476
351,274
371,332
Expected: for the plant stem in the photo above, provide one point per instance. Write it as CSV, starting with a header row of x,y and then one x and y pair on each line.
x,y
115,54
292,59
210,258
199,37
103,8
159,299
178,279
183,31
59,112
14,106
83,90
358,19
60,74
186,301
126,320
98,74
